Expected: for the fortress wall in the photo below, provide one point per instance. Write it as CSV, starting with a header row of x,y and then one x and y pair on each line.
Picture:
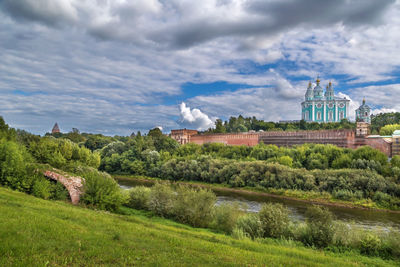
x,y
248,139
380,144
341,138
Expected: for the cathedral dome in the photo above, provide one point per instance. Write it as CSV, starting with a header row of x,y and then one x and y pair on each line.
x,y
310,92
318,91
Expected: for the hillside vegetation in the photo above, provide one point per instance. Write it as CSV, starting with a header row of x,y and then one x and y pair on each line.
x,y
36,232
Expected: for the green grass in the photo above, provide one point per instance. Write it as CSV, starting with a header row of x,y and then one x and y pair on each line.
x,y
36,232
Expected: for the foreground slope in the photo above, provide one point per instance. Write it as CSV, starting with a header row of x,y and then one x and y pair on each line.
x,y
35,232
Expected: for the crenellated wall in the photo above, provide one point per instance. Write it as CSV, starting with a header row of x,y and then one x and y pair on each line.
x,y
342,138
248,139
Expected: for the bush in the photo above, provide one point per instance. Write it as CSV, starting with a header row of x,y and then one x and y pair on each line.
x,y
13,167
392,242
42,188
238,233
370,245
250,225
59,192
225,216
139,197
102,191
161,199
344,194
274,220
194,206
320,227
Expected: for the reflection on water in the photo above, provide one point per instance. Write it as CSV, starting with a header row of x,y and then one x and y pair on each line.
x,y
367,219
254,206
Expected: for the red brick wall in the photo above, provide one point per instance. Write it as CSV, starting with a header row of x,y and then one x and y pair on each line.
x,y
248,139
381,144
341,138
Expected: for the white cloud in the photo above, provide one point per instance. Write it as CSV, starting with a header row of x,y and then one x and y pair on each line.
x,y
51,51
195,118
353,105
383,110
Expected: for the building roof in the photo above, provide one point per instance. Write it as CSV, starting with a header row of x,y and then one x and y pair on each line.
x,y
363,106
397,132
55,129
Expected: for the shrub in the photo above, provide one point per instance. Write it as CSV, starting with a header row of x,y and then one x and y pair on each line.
x,y
238,233
194,206
285,160
370,245
42,188
139,197
161,199
59,192
13,167
344,194
320,227
102,191
274,220
392,242
225,216
250,225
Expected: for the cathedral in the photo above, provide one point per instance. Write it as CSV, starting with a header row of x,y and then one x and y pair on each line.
x,y
363,113
320,106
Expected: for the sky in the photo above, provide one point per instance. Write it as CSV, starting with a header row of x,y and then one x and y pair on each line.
x,y
119,66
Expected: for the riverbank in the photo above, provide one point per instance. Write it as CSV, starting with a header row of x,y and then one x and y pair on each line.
x,y
292,195
38,232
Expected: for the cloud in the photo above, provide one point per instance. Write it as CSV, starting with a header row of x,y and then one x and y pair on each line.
x,y
353,105
117,66
195,118
181,24
383,110
49,12
381,98
264,103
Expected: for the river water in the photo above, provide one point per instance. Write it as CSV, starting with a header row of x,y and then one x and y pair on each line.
x,y
367,219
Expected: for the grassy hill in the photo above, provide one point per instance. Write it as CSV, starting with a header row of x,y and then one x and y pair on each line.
x,y
36,232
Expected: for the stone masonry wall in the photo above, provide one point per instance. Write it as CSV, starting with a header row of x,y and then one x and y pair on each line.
x,y
248,139
73,184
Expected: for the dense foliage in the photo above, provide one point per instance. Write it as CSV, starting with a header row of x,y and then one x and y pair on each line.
x,y
102,191
242,124
380,120
192,206
197,207
346,174
24,157
389,129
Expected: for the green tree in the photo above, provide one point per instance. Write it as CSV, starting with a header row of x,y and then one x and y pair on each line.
x,y
219,127
389,129
285,160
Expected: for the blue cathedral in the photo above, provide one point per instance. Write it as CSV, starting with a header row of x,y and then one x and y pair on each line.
x,y
320,106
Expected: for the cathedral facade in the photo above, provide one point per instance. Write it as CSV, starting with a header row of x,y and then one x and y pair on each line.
x,y
363,113
320,106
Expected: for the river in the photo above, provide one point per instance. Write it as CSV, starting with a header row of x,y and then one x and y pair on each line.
x,y
367,219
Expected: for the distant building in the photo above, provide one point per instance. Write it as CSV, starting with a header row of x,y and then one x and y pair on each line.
x,y
56,129
396,143
363,113
362,128
323,107
182,136
289,121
